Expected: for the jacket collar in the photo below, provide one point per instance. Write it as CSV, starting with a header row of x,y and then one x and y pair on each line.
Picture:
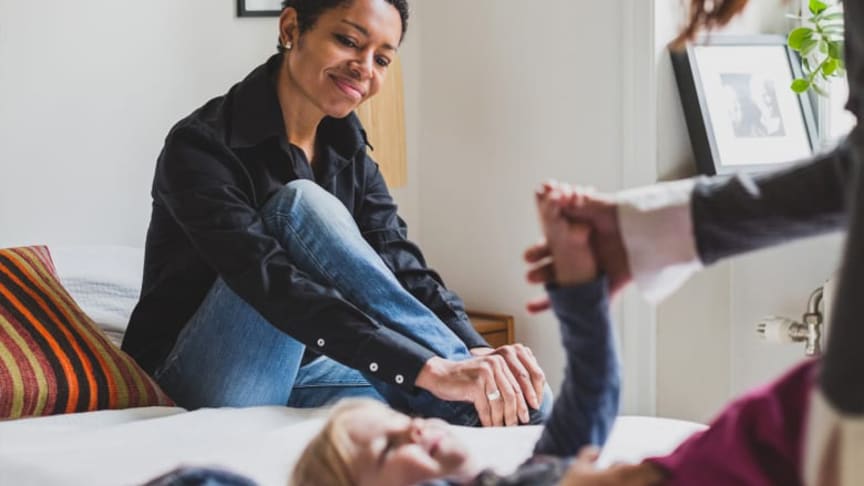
x,y
257,117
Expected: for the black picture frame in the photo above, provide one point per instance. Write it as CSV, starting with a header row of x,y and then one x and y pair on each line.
x,y
753,121
247,11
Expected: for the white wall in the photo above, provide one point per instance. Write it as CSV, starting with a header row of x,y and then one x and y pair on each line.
x,y
89,91
512,94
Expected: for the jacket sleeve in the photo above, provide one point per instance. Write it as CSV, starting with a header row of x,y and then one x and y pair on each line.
x,y
199,180
387,233
671,230
745,213
587,403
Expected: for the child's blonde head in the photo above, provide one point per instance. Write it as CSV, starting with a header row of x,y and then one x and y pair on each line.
x,y
326,459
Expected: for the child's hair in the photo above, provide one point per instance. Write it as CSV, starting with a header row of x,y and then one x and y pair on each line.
x,y
325,460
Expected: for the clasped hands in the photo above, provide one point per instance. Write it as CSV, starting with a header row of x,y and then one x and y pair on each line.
x,y
501,383
584,210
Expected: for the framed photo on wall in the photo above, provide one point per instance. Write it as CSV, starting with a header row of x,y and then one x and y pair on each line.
x,y
259,8
741,113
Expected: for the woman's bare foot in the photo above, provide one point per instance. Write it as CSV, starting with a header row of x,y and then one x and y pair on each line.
x,y
573,261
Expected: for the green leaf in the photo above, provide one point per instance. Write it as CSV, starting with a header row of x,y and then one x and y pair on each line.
x,y
817,7
798,36
829,67
835,50
808,45
823,47
800,85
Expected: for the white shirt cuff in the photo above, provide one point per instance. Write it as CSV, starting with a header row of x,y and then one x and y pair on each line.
x,y
657,230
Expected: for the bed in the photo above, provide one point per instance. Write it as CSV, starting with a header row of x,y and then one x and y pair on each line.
x,y
130,446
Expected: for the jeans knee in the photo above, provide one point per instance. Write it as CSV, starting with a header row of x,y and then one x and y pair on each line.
x,y
301,185
303,199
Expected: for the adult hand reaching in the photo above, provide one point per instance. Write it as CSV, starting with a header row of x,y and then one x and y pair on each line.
x,y
486,381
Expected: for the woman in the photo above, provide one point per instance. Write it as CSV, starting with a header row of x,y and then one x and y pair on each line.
x,y
277,270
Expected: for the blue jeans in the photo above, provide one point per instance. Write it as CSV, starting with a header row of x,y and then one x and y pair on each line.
x,y
229,355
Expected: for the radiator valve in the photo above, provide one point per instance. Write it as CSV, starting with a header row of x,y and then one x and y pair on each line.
x,y
778,329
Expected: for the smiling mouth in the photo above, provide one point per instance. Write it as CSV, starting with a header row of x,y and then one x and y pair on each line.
x,y
348,88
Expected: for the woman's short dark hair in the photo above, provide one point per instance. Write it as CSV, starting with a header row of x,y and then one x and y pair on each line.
x,y
308,11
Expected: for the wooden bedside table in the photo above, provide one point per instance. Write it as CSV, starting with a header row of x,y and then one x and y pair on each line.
x,y
496,329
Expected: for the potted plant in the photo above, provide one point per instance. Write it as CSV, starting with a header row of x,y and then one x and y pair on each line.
x,y
819,43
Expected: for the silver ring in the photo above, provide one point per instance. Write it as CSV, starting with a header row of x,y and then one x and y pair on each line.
x,y
495,395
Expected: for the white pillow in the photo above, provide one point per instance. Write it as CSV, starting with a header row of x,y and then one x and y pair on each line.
x,y
104,280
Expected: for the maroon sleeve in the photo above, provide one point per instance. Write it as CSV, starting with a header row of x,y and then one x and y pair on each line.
x,y
755,440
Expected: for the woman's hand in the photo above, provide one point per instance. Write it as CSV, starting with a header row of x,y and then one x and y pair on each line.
x,y
523,365
486,381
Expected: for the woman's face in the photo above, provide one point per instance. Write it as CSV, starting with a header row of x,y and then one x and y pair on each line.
x,y
391,449
342,60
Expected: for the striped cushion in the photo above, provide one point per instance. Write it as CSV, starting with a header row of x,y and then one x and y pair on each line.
x,y
53,359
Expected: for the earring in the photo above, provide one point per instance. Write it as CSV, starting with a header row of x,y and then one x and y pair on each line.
x,y
288,45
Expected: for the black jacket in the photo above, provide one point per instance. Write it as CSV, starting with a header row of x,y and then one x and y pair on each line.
x,y
218,168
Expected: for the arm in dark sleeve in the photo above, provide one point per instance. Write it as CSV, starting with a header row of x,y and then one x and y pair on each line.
x,y
387,233
744,213
843,361
200,183
587,403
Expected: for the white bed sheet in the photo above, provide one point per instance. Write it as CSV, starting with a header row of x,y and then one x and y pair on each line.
x,y
120,447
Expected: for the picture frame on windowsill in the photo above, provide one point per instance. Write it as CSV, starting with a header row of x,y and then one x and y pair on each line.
x,y
741,113
259,8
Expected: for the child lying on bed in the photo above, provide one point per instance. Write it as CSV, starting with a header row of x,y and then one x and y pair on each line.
x,y
755,440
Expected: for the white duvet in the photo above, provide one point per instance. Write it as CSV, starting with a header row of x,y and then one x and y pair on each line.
x,y
121,447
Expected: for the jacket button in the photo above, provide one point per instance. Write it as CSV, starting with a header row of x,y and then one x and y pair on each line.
x,y
320,343
400,379
373,367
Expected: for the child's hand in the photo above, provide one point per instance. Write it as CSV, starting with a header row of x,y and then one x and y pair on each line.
x,y
568,242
